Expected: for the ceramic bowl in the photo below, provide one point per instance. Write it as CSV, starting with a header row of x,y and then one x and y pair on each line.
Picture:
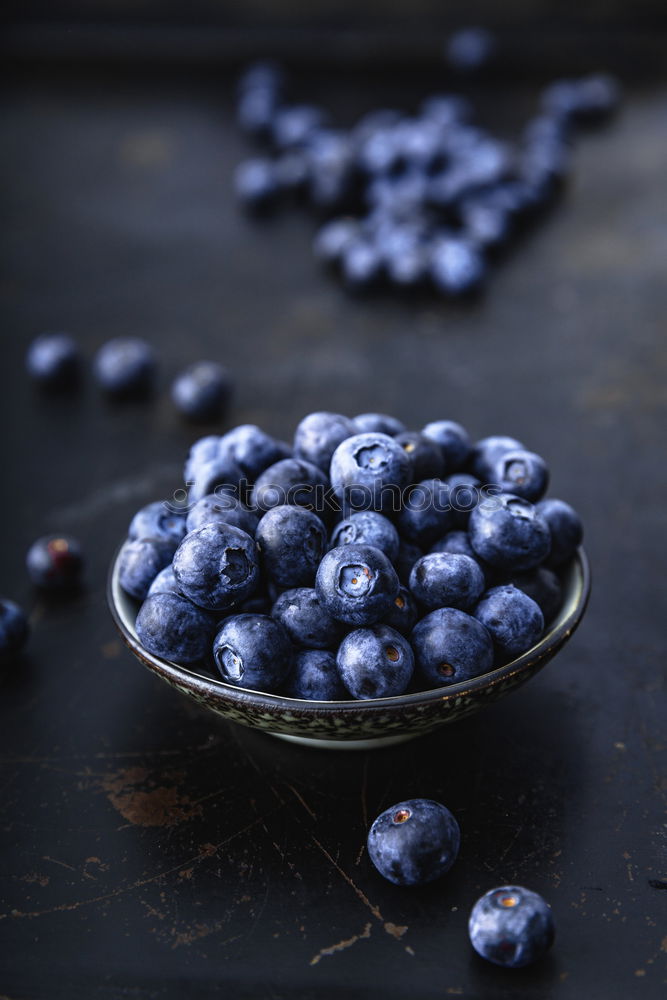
x,y
359,724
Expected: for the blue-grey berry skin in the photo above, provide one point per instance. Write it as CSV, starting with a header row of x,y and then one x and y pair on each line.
x,y
403,613
125,365
457,267
356,584
173,628
378,423
253,651
156,520
291,541
217,566
457,542
451,646
314,676
511,926
218,473
318,435
512,618
55,562
223,507
508,533
464,495
256,183
544,587
375,662
139,562
202,451
522,473
453,440
565,528
306,621
487,451
14,630
426,457
414,842
426,513
202,391
253,449
447,580
367,527
408,555
53,360
369,471
164,583
291,481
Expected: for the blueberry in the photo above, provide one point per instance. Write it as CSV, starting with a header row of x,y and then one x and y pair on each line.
x,y
291,541
164,583
318,435
511,926
314,676
544,587
470,49
378,151
407,268
512,618
458,543
55,562
414,842
53,360
425,455
375,662
426,512
253,449
465,492
588,99
565,528
446,109
222,507
294,125
216,566
509,533
447,580
356,584
408,555
361,263
125,366
333,238
256,184
14,630
256,110
378,423
171,627
369,471
523,474
403,613
456,266
139,562
485,224
485,455
261,75
306,621
156,520
201,452
451,646
367,528
202,391
453,440
217,475
292,172
292,481
253,651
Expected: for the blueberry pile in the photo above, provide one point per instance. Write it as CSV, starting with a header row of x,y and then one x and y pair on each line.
x,y
413,200
362,561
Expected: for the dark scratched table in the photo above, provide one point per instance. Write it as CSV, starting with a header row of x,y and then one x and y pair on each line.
x,y
150,850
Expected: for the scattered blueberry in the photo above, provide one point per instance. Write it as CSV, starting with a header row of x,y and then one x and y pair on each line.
x,y
512,618
253,651
356,584
14,630
55,562
375,662
202,391
470,49
314,676
216,566
172,627
53,360
414,842
511,926
125,366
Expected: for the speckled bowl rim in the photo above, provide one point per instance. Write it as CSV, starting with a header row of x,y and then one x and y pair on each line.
x,y
576,585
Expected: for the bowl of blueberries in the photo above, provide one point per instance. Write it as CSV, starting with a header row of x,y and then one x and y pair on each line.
x,y
358,587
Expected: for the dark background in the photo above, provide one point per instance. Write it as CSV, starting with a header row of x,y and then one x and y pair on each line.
x,y
149,850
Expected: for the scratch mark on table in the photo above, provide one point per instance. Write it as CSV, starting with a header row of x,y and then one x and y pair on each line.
x,y
341,945
303,802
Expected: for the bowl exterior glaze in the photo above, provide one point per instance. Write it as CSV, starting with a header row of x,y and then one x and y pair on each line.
x,y
359,723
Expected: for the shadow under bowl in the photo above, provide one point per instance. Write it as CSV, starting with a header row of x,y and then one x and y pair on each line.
x,y
359,724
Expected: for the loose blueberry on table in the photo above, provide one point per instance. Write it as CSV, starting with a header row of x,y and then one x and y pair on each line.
x,y
55,562
125,366
14,630
53,361
511,926
334,548
414,842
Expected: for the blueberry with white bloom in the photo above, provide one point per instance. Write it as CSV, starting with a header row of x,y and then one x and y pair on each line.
x,y
509,533
522,473
375,662
253,449
157,520
565,528
217,566
367,527
292,481
125,366
378,423
447,580
140,561
453,440
256,184
403,613
414,842
356,584
512,618
426,512
425,455
457,267
486,453
253,651
202,391
314,676
291,542
451,646
544,587
305,619
173,628
318,435
369,471
225,507
511,926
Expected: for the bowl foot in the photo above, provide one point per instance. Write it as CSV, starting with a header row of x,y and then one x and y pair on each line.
x,y
370,744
